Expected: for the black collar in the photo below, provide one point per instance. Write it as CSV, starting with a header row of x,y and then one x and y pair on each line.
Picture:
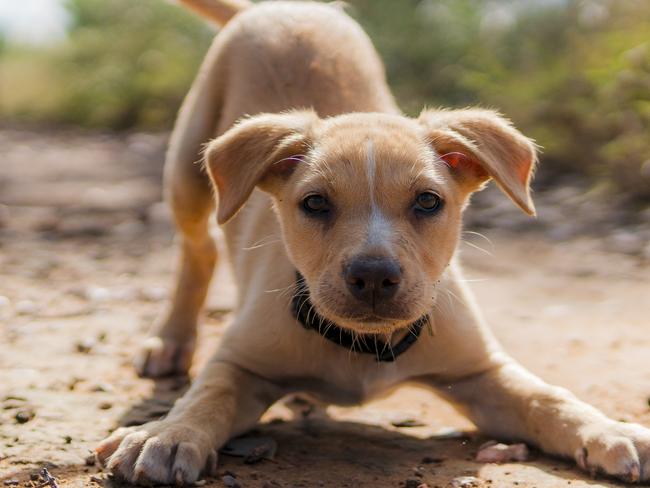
x,y
304,312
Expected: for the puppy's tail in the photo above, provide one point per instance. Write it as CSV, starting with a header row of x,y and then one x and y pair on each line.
x,y
218,11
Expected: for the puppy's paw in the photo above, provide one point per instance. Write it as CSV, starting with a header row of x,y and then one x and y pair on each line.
x,y
164,357
303,407
618,449
159,453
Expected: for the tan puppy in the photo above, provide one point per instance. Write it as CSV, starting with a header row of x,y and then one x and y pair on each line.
x,y
366,205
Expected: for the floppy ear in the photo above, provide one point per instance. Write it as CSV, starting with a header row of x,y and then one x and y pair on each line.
x,y
262,150
481,144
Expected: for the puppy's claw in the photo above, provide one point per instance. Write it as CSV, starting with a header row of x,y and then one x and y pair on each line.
x,y
634,473
211,464
581,458
178,477
109,445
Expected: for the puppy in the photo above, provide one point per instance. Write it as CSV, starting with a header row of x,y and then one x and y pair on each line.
x,y
342,218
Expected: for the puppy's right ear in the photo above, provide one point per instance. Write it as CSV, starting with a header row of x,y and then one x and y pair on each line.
x,y
262,150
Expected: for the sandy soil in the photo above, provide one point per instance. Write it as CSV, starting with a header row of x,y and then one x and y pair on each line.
x,y
86,261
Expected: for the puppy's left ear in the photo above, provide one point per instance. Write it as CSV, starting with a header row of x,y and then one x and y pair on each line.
x,y
481,144
259,151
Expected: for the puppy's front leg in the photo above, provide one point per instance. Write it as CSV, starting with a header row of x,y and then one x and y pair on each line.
x,y
508,402
224,401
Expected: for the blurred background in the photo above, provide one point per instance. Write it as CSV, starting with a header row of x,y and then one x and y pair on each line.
x,y
572,74
89,90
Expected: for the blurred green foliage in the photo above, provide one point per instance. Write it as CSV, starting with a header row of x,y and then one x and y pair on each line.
x,y
572,74
124,64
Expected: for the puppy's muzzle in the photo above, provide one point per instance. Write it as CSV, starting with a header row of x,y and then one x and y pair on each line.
x,y
373,280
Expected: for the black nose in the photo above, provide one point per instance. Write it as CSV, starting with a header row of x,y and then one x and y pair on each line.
x,y
373,279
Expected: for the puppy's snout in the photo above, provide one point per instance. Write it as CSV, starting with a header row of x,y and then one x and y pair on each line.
x,y
373,279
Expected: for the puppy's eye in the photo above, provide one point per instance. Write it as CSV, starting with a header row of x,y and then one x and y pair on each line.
x,y
316,204
428,203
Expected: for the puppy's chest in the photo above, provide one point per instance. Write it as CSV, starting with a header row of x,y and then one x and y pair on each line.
x,y
349,385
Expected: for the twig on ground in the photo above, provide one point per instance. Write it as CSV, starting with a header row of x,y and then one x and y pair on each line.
x,y
49,479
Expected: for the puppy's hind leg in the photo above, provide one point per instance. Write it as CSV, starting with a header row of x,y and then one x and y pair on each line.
x,y
170,347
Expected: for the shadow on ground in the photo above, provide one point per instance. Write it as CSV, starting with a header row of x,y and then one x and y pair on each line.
x,y
329,453
326,452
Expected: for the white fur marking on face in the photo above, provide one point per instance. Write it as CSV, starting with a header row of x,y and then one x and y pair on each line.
x,y
372,171
379,228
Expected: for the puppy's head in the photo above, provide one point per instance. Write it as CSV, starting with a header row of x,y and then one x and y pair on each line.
x,y
370,204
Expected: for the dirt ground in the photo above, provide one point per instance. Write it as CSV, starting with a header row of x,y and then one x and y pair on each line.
x,y
86,263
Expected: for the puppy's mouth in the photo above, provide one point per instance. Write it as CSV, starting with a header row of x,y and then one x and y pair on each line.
x,y
370,319
332,305
369,323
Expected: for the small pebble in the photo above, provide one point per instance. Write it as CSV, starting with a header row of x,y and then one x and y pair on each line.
x,y
259,453
412,483
430,460
466,482
26,307
105,387
97,294
25,415
494,452
11,482
105,406
90,460
85,346
230,481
